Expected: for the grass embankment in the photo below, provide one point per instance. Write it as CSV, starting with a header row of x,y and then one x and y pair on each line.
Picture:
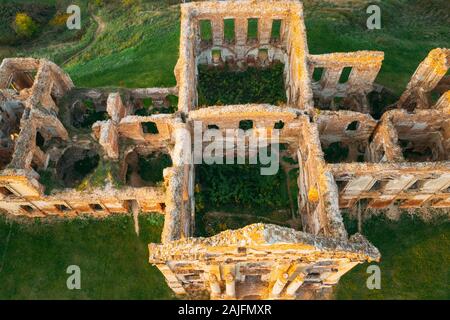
x,y
139,44
34,257
138,48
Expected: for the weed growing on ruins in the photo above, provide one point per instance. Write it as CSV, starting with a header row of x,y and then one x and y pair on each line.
x,y
106,171
218,86
49,181
242,186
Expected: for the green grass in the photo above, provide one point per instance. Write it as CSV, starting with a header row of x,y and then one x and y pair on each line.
x,y
34,257
409,30
137,49
414,261
139,46
107,171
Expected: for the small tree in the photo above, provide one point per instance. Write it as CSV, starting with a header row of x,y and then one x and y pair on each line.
x,y
24,25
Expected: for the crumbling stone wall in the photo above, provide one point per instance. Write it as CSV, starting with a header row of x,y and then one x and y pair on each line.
x,y
426,77
290,48
375,169
26,199
263,116
384,183
364,65
258,262
401,159
318,201
349,129
38,98
32,89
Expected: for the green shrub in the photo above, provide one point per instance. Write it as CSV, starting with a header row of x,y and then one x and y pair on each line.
x,y
151,167
240,187
24,25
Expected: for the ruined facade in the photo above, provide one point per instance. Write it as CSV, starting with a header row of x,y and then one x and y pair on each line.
x,y
402,158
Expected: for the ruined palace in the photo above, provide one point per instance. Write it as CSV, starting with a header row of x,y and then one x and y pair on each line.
x,y
68,151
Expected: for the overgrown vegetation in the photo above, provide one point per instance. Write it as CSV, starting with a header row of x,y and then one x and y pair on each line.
x,y
240,187
34,256
107,171
88,172
90,116
149,109
218,86
151,167
413,260
49,180
238,195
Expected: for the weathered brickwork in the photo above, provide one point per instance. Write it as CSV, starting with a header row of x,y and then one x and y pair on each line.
x,y
346,157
